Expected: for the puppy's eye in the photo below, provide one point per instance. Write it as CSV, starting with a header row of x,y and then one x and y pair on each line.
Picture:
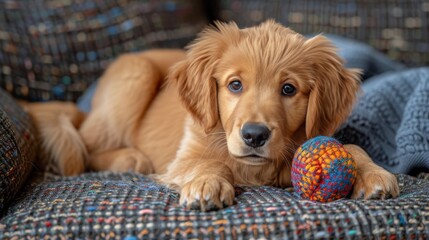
x,y
288,90
235,86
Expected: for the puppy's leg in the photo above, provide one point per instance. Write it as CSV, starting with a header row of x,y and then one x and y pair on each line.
x,y
120,160
122,97
372,182
204,184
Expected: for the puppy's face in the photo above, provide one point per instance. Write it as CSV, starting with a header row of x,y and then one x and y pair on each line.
x,y
262,98
268,87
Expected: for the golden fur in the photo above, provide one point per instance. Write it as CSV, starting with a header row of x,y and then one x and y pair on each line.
x,y
187,130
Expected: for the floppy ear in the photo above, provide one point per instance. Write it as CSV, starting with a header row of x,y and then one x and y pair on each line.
x,y
334,91
194,75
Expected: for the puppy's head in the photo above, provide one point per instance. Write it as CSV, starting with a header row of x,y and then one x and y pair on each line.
x,y
268,87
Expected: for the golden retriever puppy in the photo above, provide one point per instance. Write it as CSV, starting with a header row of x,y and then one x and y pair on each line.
x,y
231,110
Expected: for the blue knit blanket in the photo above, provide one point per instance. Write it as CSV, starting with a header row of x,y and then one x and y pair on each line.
x,y
391,121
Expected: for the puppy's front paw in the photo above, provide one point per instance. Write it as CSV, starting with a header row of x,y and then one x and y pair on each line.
x,y
207,193
376,183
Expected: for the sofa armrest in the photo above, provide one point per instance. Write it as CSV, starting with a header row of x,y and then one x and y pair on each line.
x,y
18,146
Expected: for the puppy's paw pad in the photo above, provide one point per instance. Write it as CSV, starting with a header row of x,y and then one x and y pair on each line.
x,y
376,184
207,194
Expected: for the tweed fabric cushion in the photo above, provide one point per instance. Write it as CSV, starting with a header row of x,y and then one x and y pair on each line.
x,y
391,121
17,148
397,28
131,206
55,49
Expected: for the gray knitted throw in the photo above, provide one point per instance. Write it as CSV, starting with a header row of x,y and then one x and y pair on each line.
x,y
391,121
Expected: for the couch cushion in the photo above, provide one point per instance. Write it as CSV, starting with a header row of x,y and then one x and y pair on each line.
x,y
132,206
397,28
17,148
55,49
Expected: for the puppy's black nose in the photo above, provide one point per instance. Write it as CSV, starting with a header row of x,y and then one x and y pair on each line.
x,y
255,134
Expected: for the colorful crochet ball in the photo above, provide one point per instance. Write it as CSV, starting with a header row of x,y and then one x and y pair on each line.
x,y
323,170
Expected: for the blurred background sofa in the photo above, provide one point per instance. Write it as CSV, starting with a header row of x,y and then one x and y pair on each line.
x,y
55,49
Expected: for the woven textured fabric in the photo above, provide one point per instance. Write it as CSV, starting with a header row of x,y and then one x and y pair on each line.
x,y
131,206
391,121
323,170
398,28
55,49
17,148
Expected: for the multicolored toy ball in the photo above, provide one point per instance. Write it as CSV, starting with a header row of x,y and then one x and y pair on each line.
x,y
323,170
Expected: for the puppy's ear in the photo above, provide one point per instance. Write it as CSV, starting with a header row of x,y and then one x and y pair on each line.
x,y
194,75
334,91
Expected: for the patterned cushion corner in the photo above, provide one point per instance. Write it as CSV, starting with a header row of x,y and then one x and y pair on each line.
x,y
17,148
53,50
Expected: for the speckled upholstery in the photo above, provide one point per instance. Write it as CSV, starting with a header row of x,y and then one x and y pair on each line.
x,y
398,28
55,49
131,206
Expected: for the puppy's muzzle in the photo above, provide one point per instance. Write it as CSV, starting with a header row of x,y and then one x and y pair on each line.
x,y
255,134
